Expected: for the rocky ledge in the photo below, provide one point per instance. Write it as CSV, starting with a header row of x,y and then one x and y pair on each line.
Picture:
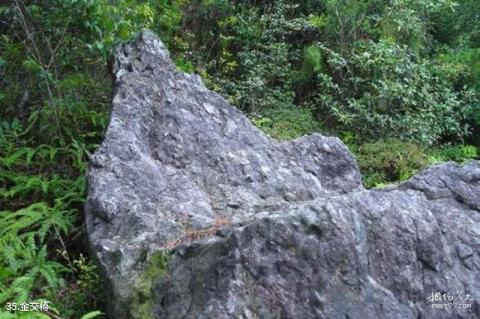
x,y
192,212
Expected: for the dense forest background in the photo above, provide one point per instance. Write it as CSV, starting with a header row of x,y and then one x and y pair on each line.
x,y
398,81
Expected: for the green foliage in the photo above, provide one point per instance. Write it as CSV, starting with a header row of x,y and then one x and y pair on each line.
x,y
184,66
43,202
286,123
371,67
387,161
390,160
85,291
25,268
387,92
460,66
312,62
93,314
456,153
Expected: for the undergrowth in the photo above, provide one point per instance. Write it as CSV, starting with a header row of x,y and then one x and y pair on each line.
x,y
42,237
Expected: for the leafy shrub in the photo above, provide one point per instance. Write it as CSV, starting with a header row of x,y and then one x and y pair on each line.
x,y
364,67
286,123
83,292
456,153
382,91
389,160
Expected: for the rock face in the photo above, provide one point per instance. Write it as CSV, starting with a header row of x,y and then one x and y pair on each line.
x,y
194,213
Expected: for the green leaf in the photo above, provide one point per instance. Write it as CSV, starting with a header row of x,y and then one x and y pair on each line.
x,y
7,315
92,314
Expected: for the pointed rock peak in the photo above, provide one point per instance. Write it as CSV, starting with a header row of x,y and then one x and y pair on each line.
x,y
146,52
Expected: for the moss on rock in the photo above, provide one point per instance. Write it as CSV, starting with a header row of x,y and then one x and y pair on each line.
x,y
141,306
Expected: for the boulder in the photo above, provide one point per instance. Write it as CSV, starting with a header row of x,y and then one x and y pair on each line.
x,y
192,212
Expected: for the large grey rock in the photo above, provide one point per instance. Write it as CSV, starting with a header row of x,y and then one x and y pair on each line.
x,y
194,213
